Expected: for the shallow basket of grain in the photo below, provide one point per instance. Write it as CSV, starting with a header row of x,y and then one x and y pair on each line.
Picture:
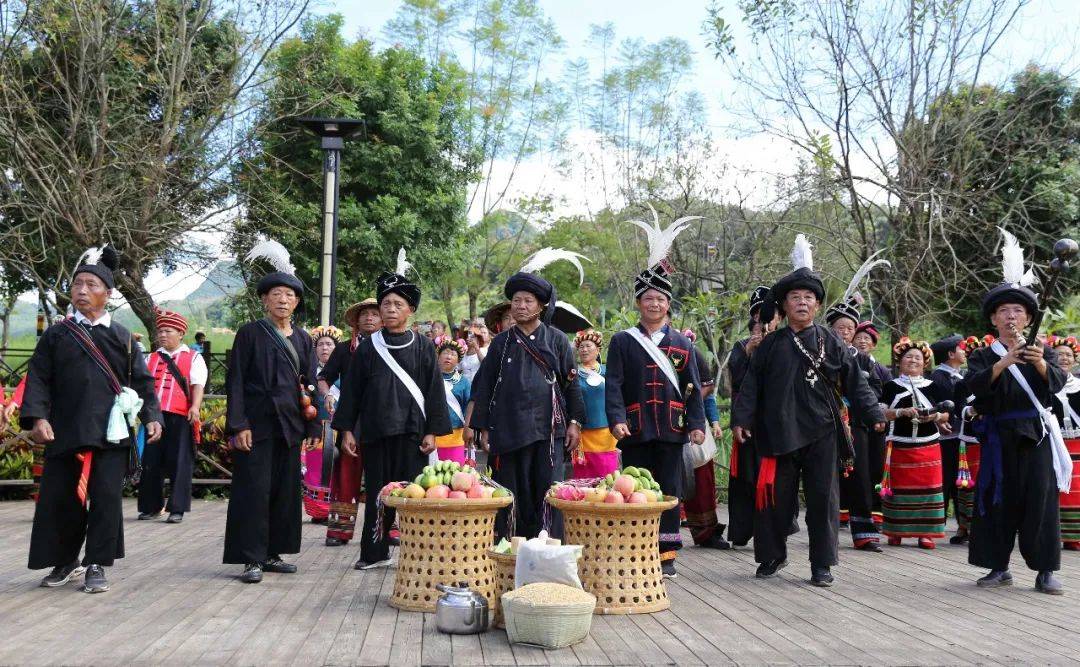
x,y
548,615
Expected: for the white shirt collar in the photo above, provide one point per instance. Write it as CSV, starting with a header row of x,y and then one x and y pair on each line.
x,y
183,348
950,370
105,320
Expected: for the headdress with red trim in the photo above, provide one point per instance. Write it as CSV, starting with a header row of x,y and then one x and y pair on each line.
x,y
450,343
329,331
972,343
167,318
869,329
591,335
906,345
1071,342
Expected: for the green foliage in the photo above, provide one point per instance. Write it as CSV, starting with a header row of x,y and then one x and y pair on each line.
x,y
402,182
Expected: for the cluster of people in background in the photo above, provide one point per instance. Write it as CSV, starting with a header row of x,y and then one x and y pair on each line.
x,y
988,424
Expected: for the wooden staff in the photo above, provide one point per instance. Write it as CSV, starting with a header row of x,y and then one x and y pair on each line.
x,y
1065,250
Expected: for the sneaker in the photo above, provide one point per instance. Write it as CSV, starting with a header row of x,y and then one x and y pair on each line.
x,y
959,538
768,569
995,578
147,516
334,541
95,581
365,565
252,574
1047,583
175,517
61,574
821,576
667,569
277,566
869,545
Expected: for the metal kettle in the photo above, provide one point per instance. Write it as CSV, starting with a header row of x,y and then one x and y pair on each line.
x,y
460,610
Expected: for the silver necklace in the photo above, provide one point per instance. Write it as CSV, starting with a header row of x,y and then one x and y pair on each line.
x,y
412,339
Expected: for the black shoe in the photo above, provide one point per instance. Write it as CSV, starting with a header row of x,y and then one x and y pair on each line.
x,y
872,547
667,570
995,578
768,569
147,516
252,574
371,565
821,576
716,542
334,541
1047,583
175,517
958,539
95,581
61,574
277,566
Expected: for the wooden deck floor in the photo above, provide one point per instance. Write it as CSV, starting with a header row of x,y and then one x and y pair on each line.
x,y
172,601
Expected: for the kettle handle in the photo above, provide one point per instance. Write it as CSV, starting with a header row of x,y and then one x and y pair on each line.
x,y
441,588
474,616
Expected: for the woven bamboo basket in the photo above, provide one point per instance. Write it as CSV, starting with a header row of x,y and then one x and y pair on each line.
x,y
443,542
504,581
620,561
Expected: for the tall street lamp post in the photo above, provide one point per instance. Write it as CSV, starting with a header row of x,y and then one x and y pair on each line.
x,y
333,132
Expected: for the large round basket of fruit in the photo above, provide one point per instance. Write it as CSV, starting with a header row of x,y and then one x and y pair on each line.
x,y
446,517
616,520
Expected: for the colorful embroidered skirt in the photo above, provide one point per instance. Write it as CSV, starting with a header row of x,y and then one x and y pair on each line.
x,y
451,447
316,490
916,505
601,454
965,497
1070,502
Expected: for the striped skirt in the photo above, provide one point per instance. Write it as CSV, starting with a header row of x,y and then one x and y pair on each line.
x,y
915,505
316,489
1070,502
965,497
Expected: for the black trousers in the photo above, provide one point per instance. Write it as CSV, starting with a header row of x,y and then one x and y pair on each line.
x,y
264,503
61,523
664,460
815,465
394,459
1028,508
173,456
857,489
528,473
741,495
950,463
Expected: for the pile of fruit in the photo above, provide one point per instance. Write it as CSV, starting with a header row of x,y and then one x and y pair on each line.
x,y
629,485
445,480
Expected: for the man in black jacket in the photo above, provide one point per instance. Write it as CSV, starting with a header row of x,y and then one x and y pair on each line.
x,y
790,403
527,404
85,382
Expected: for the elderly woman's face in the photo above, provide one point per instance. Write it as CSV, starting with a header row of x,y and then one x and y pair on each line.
x,y
863,342
912,363
324,347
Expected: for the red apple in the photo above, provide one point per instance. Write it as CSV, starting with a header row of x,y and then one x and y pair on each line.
x,y
457,495
637,498
624,485
614,497
476,491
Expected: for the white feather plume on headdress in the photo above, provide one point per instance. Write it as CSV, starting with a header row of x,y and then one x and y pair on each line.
x,y
660,240
273,252
802,254
864,270
1012,262
545,256
90,257
403,264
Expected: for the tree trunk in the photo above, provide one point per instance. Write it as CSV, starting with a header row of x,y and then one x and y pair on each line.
x,y
473,296
5,322
129,280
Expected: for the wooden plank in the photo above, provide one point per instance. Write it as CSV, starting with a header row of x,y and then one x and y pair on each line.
x,y
408,635
380,631
436,647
